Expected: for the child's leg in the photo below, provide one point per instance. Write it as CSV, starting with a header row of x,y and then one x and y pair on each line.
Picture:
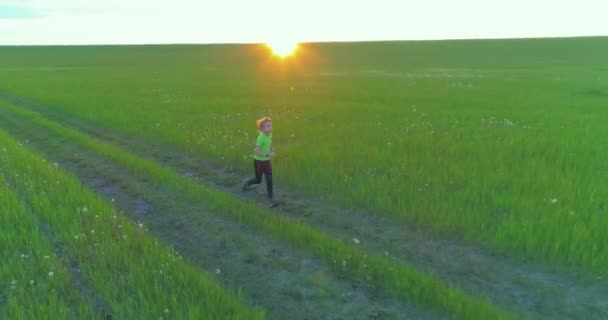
x,y
268,177
258,168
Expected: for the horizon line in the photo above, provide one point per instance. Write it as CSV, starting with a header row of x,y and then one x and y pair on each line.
x,y
303,42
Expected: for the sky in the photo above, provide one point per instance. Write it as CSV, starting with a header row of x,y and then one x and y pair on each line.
x,y
238,21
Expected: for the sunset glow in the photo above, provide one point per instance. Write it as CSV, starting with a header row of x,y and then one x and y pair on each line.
x,y
283,49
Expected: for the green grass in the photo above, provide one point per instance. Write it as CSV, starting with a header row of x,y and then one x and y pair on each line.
x,y
130,272
35,284
497,141
372,270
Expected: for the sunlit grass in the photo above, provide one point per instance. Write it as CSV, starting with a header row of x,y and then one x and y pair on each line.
x,y
134,274
472,138
371,269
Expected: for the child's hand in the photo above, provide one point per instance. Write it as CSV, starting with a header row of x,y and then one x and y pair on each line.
x,y
271,155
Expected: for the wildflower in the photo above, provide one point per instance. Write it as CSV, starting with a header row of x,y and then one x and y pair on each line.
x,y
141,225
356,241
51,273
217,271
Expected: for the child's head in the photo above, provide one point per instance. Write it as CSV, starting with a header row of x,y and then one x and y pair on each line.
x,y
265,125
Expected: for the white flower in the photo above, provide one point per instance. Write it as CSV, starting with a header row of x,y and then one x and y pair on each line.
x,y
553,201
31,282
84,209
356,241
51,273
166,310
217,271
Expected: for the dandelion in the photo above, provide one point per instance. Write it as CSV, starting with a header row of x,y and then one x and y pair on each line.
x,y
356,241
51,273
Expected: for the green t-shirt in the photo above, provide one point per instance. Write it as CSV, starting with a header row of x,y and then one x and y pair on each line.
x,y
263,142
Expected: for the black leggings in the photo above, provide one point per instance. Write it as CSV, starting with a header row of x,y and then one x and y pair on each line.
x,y
262,167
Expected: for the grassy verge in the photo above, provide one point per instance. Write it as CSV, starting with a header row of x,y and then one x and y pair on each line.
x,y
35,284
136,276
371,269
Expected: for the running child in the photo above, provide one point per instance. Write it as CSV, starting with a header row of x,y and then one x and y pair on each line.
x,y
261,162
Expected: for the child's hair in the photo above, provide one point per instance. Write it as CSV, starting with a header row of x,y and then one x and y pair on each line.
x,y
262,120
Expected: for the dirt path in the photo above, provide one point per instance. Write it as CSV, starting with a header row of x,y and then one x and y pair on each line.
x,y
270,274
515,285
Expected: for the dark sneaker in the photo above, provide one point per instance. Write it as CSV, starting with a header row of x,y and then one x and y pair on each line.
x,y
245,185
272,203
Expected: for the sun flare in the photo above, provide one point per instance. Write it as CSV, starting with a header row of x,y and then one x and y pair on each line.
x,y
283,49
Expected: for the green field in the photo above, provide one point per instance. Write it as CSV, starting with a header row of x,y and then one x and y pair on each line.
x,y
439,179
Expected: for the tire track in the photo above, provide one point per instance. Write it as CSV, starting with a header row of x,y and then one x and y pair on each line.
x,y
527,288
285,282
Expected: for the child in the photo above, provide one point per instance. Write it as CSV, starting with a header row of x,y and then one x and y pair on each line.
x,y
261,163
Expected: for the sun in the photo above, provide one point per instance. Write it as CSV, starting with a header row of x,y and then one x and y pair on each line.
x,y
283,49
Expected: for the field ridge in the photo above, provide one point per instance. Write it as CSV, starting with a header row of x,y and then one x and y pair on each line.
x,y
374,269
532,288
249,262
